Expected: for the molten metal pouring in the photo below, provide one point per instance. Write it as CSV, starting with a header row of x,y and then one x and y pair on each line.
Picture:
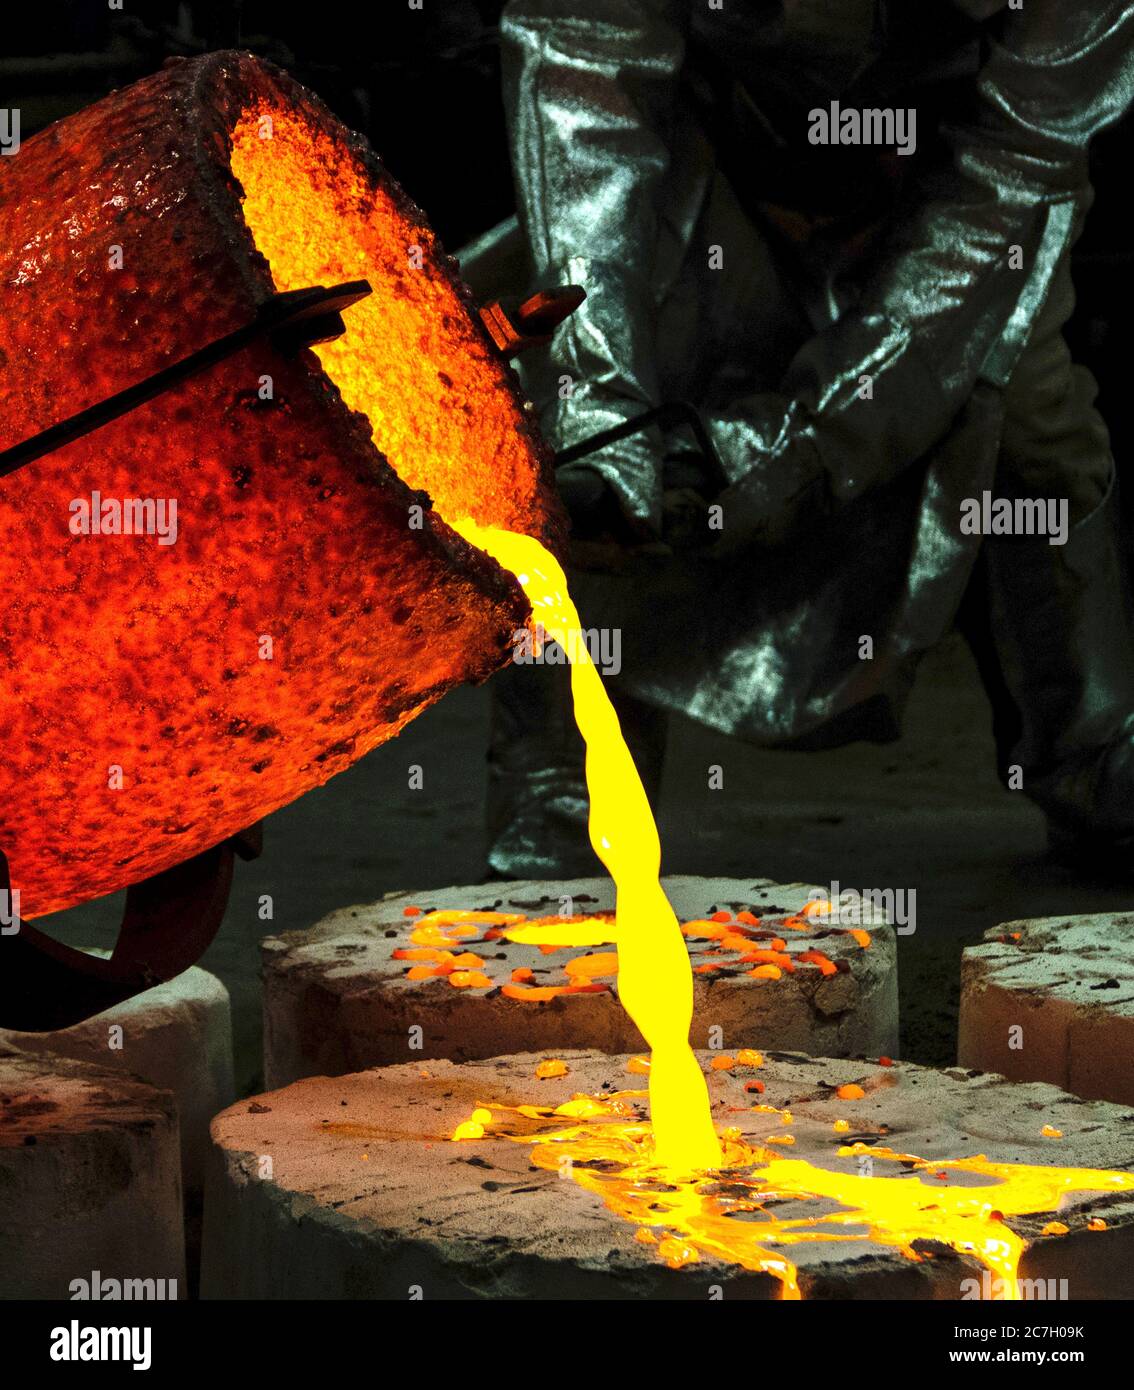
x,y
315,226
655,980
620,1159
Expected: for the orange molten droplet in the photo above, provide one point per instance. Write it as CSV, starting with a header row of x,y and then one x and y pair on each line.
x,y
825,964
537,995
551,1067
601,963
469,979
701,927
850,1092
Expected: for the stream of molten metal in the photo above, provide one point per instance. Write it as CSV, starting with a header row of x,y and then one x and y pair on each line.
x,y
655,982
673,1174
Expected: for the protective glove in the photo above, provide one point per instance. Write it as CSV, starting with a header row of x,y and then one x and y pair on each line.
x,y
777,481
591,503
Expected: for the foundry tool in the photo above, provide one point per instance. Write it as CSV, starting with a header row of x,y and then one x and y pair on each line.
x,y
178,888
145,664
170,920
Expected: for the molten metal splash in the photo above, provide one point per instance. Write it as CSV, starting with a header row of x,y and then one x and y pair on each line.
x,y
730,1215
655,984
444,945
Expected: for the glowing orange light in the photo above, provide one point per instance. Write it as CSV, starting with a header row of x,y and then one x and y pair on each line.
x,y
602,963
145,718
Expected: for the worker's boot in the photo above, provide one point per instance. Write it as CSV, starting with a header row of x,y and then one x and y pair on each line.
x,y
1063,684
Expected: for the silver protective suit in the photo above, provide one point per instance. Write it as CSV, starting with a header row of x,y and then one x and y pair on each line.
x,y
860,368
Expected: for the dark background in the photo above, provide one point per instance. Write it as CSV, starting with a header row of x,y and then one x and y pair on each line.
x,y
423,86
925,813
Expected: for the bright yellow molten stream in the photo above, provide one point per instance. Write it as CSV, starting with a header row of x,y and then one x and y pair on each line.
x,y
434,395
655,981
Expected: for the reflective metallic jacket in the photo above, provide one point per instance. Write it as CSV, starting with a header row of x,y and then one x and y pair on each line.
x,y
647,132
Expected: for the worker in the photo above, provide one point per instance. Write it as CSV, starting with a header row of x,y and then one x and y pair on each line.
x,y
842,230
